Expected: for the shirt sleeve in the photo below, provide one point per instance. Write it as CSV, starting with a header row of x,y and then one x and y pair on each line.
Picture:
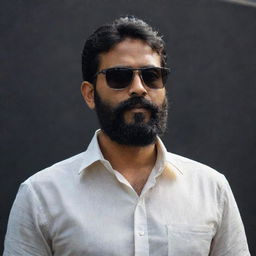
x,y
27,226
230,238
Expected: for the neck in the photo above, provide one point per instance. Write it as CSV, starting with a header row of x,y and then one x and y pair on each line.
x,y
133,162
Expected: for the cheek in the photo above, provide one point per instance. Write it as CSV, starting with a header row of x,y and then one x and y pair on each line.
x,y
158,97
109,96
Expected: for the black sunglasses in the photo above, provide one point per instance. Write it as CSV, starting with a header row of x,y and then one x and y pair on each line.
x,y
121,77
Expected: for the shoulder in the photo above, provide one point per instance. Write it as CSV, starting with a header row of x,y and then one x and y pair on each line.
x,y
194,170
58,172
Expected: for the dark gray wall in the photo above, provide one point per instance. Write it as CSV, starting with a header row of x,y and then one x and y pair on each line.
x,y
211,46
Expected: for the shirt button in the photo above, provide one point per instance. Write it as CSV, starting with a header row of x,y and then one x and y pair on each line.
x,y
141,233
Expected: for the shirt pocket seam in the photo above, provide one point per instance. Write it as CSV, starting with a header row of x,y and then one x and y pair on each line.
x,y
184,228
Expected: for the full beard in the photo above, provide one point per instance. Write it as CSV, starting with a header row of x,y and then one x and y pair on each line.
x,y
136,133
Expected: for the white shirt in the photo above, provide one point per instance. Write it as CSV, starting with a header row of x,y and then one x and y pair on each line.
x,y
82,207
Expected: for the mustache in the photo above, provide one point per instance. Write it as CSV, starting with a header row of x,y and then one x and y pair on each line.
x,y
136,102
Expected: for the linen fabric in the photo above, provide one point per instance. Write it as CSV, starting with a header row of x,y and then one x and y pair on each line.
x,y
82,207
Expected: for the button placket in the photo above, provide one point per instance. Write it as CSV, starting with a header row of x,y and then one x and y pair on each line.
x,y
140,229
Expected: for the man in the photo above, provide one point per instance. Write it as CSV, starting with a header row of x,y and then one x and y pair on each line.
x,y
126,195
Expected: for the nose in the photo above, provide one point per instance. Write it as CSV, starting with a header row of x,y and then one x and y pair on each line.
x,y
136,87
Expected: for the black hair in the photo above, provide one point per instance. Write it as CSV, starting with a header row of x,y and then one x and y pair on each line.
x,y
107,36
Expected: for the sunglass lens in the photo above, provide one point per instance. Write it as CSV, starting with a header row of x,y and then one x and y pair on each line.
x,y
119,78
152,77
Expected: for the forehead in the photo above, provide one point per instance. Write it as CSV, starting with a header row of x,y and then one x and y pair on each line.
x,y
130,53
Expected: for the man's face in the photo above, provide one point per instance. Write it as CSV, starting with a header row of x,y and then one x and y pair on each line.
x,y
136,114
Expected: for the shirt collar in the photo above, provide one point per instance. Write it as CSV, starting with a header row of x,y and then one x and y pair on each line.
x,y
92,154
164,160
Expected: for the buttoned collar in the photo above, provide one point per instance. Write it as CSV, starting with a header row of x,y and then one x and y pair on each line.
x,y
93,154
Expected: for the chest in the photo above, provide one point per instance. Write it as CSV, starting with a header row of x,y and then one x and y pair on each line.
x,y
112,221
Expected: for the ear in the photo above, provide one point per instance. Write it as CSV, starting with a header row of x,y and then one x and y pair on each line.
x,y
87,90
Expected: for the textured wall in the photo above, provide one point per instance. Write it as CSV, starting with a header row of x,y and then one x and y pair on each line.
x,y
211,46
